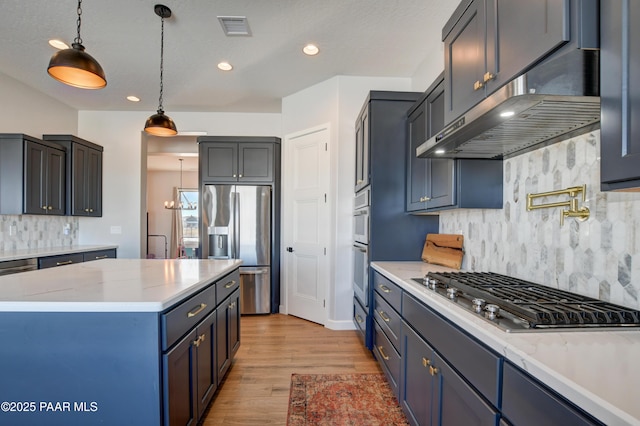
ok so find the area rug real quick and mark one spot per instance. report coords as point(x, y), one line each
point(342, 399)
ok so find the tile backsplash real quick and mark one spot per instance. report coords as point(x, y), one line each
point(19, 232)
point(599, 257)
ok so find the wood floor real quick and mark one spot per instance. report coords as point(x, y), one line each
point(256, 389)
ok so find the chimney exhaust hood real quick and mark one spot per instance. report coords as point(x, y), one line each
point(555, 100)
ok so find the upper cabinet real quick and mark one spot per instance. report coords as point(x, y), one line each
point(620, 97)
point(32, 176)
point(436, 184)
point(238, 159)
point(489, 42)
point(84, 175)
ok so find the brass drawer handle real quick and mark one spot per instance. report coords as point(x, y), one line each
point(197, 310)
point(384, 288)
point(478, 85)
point(488, 76)
point(68, 262)
point(232, 305)
point(199, 340)
point(101, 257)
point(230, 284)
point(384, 316)
point(359, 319)
point(426, 362)
point(384, 356)
point(433, 370)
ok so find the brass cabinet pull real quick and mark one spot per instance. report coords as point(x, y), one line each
point(359, 319)
point(488, 76)
point(384, 316)
point(230, 284)
point(197, 310)
point(384, 356)
point(50, 207)
point(433, 370)
point(424, 199)
point(232, 305)
point(199, 340)
point(102, 257)
point(68, 262)
point(384, 288)
point(478, 85)
point(426, 362)
point(44, 207)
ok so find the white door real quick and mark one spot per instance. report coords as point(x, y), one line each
point(305, 223)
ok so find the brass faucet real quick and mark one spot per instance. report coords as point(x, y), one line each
point(581, 213)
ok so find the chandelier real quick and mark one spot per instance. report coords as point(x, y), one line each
point(180, 205)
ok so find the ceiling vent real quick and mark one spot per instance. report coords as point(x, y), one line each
point(235, 25)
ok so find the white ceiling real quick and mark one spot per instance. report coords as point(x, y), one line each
point(356, 37)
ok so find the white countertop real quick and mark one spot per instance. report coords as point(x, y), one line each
point(110, 285)
point(598, 371)
point(50, 251)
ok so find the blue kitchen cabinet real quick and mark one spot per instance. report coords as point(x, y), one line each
point(228, 332)
point(620, 95)
point(527, 402)
point(433, 393)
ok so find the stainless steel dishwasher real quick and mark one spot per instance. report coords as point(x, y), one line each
point(14, 266)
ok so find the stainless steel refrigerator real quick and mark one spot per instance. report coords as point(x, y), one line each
point(236, 224)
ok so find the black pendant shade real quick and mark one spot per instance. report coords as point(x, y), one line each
point(160, 124)
point(76, 67)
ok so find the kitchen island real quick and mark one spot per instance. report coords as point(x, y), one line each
point(595, 370)
point(100, 342)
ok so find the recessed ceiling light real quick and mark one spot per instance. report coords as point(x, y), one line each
point(310, 49)
point(507, 114)
point(58, 44)
point(225, 66)
point(440, 151)
point(133, 98)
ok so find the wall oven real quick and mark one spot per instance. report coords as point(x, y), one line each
point(361, 246)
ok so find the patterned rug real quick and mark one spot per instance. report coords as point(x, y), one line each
point(342, 399)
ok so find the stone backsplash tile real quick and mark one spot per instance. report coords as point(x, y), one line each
point(599, 257)
point(19, 232)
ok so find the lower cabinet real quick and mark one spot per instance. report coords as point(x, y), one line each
point(228, 332)
point(194, 367)
point(433, 393)
point(70, 258)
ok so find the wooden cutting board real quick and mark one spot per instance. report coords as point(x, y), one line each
point(444, 249)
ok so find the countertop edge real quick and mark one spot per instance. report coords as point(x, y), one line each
point(51, 251)
point(498, 341)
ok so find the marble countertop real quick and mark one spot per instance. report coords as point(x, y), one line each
point(596, 370)
point(110, 285)
point(50, 251)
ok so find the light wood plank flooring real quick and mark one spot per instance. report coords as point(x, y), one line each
point(256, 389)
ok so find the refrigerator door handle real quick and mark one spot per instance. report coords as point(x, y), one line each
point(236, 234)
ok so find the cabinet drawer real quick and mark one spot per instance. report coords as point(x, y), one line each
point(186, 315)
point(225, 286)
point(388, 319)
point(388, 290)
point(479, 365)
point(389, 359)
point(359, 317)
point(99, 254)
point(63, 259)
point(527, 402)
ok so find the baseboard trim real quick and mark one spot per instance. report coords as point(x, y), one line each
point(340, 325)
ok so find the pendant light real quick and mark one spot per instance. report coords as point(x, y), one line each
point(187, 205)
point(76, 67)
point(160, 124)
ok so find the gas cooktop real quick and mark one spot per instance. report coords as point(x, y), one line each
point(516, 305)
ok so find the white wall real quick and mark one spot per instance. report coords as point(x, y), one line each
point(124, 186)
point(337, 101)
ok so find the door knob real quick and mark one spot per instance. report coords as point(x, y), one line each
point(290, 249)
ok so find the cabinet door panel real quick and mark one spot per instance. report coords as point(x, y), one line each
point(255, 162)
point(417, 184)
point(234, 323)
point(441, 176)
point(78, 180)
point(465, 61)
point(459, 403)
point(416, 393)
point(527, 30)
point(222, 163)
point(93, 191)
point(620, 97)
point(179, 374)
point(206, 383)
point(55, 182)
point(35, 201)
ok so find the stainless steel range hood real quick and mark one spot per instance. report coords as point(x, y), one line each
point(555, 100)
